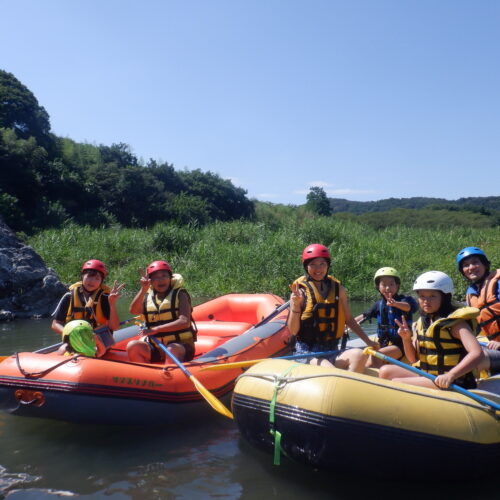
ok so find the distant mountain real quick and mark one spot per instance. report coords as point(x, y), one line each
point(477, 204)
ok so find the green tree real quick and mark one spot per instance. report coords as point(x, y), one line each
point(19, 110)
point(317, 201)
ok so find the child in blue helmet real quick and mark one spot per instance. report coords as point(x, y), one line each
point(484, 293)
point(392, 306)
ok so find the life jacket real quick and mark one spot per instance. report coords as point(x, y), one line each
point(155, 313)
point(323, 319)
point(439, 351)
point(93, 313)
point(387, 329)
point(489, 306)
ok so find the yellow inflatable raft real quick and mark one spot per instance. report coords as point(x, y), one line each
point(332, 418)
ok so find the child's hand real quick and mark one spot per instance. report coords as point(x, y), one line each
point(115, 292)
point(296, 297)
point(403, 330)
point(389, 299)
point(145, 281)
point(444, 381)
point(493, 344)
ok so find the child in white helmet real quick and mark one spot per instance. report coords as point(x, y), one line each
point(443, 342)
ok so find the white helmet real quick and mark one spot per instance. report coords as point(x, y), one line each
point(434, 280)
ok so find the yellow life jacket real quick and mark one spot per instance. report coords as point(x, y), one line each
point(159, 313)
point(439, 351)
point(489, 306)
point(93, 313)
point(323, 319)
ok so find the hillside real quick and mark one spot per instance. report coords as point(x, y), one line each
point(475, 204)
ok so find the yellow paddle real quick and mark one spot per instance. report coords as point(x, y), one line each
point(250, 362)
point(210, 398)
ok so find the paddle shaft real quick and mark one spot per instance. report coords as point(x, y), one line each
point(209, 397)
point(429, 376)
point(250, 362)
point(269, 317)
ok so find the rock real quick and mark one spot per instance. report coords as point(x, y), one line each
point(28, 289)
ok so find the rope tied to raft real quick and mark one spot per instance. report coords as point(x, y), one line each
point(44, 372)
point(280, 381)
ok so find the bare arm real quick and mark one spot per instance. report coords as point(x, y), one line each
point(114, 294)
point(351, 322)
point(472, 359)
point(57, 326)
point(296, 303)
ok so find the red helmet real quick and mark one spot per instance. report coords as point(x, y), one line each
point(158, 265)
point(95, 265)
point(315, 250)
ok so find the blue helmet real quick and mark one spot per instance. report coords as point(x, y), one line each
point(467, 252)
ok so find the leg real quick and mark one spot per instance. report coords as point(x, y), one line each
point(352, 360)
point(398, 374)
point(391, 350)
point(177, 350)
point(138, 351)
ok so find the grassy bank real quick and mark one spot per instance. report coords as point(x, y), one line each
point(258, 257)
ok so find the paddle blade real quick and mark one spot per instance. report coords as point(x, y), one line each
point(211, 399)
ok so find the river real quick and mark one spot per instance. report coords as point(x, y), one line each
point(42, 459)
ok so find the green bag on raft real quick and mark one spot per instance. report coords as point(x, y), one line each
point(81, 338)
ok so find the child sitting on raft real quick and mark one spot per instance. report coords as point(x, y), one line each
point(165, 307)
point(93, 302)
point(443, 342)
point(391, 307)
point(484, 293)
point(319, 312)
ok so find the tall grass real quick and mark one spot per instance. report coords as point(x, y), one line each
point(249, 257)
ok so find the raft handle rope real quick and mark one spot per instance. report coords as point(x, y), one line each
point(44, 372)
point(280, 381)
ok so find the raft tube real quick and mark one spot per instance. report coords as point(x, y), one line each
point(334, 419)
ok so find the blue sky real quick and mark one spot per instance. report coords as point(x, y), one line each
point(369, 99)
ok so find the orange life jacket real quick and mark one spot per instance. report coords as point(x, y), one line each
point(489, 306)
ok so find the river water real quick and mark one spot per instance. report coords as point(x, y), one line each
point(42, 459)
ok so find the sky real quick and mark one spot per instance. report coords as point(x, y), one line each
point(367, 99)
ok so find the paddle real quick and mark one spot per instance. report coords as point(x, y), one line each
point(250, 362)
point(269, 317)
point(210, 398)
point(457, 388)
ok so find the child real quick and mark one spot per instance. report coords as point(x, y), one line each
point(390, 307)
point(443, 342)
point(319, 312)
point(165, 306)
point(483, 293)
point(92, 301)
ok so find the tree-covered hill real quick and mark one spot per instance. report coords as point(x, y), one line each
point(46, 181)
point(477, 204)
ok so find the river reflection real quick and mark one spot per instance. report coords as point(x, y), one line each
point(42, 459)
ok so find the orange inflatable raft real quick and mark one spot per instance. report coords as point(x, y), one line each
point(111, 389)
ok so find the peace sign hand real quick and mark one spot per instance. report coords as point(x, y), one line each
point(403, 331)
point(115, 292)
point(145, 281)
point(296, 297)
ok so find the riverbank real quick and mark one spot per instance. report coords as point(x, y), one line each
point(250, 257)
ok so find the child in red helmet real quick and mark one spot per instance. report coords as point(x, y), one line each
point(165, 307)
point(92, 301)
point(320, 311)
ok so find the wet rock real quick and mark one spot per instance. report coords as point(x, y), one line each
point(28, 289)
